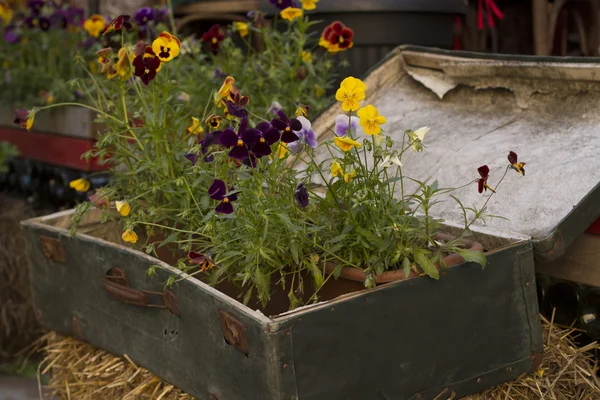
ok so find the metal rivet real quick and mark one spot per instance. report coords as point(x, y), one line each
point(478, 380)
point(285, 366)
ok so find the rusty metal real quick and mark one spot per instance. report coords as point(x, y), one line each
point(536, 360)
point(171, 302)
point(116, 284)
point(234, 332)
point(52, 249)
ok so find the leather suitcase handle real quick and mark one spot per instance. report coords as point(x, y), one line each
point(117, 285)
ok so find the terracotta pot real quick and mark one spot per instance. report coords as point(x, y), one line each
point(357, 275)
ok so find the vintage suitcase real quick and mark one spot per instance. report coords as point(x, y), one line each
point(415, 339)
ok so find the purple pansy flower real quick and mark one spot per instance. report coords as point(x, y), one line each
point(35, 6)
point(218, 191)
point(162, 14)
point(10, 36)
point(235, 110)
point(144, 15)
point(305, 136)
point(274, 108)
point(268, 136)
point(44, 23)
point(218, 74)
point(76, 15)
point(60, 18)
point(283, 4)
point(210, 139)
point(192, 157)
point(301, 195)
point(32, 21)
point(241, 142)
point(341, 124)
point(286, 127)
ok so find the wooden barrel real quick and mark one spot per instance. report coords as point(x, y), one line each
point(381, 25)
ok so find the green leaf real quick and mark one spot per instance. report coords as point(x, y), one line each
point(473, 256)
point(204, 202)
point(317, 275)
point(425, 263)
point(248, 296)
point(406, 266)
point(370, 236)
point(171, 238)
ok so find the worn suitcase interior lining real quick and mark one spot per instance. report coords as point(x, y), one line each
point(551, 121)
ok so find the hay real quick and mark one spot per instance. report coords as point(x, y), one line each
point(18, 325)
point(80, 371)
point(567, 372)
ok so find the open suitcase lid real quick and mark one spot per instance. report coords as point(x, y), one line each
point(479, 107)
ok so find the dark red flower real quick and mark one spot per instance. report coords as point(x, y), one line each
point(513, 159)
point(146, 65)
point(200, 259)
point(21, 117)
point(122, 21)
point(268, 136)
point(214, 37)
point(218, 191)
point(339, 34)
point(240, 142)
point(287, 127)
point(484, 172)
point(301, 195)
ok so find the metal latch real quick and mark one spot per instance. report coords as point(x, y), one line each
point(52, 249)
point(234, 332)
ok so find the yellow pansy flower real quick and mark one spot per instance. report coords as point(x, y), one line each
point(94, 25)
point(336, 169)
point(324, 42)
point(124, 66)
point(306, 56)
point(302, 110)
point(242, 28)
point(80, 185)
point(195, 128)
point(225, 90)
point(350, 93)
point(370, 120)
point(214, 121)
point(129, 236)
point(349, 176)
point(123, 207)
point(309, 4)
point(281, 151)
point(6, 13)
point(291, 13)
point(29, 121)
point(166, 47)
point(346, 143)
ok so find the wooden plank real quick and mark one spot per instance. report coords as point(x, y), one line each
point(581, 262)
point(52, 149)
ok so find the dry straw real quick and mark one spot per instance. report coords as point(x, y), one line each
point(80, 371)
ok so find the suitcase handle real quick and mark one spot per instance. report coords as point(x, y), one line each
point(117, 285)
